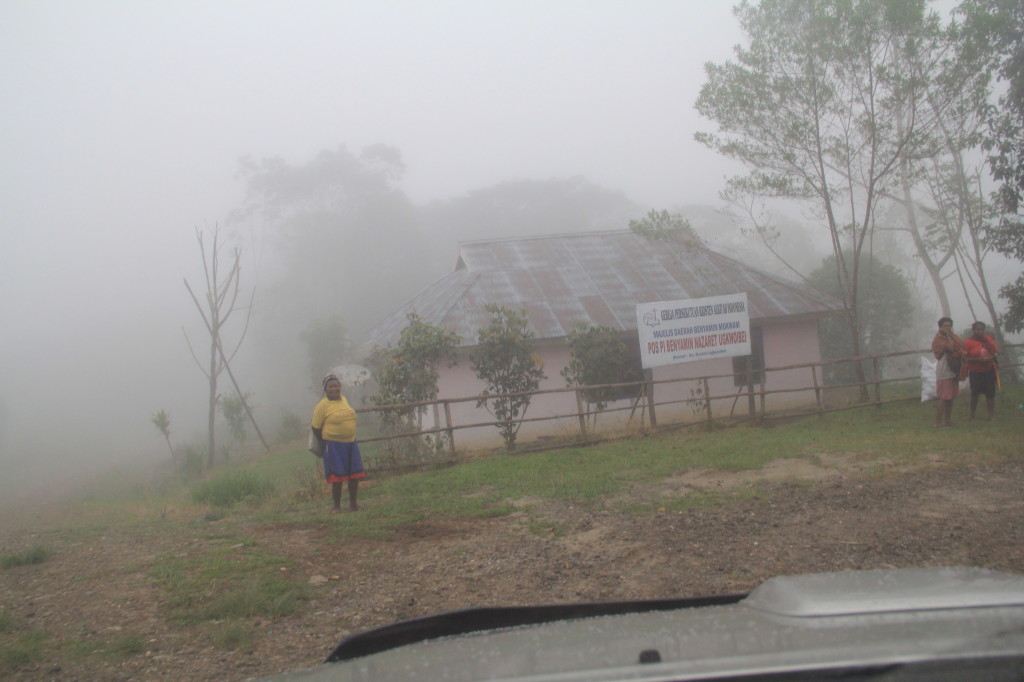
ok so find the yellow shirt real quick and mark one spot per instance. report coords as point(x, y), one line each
point(336, 419)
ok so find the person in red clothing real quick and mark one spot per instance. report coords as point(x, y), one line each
point(982, 365)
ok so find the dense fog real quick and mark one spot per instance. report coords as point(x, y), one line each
point(127, 127)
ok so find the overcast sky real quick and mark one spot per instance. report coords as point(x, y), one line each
point(123, 122)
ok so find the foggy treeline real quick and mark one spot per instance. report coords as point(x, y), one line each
point(120, 148)
point(340, 246)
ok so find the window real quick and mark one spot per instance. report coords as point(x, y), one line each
point(739, 364)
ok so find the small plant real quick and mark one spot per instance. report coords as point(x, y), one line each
point(696, 403)
point(194, 462)
point(233, 409)
point(35, 555)
point(506, 363)
point(232, 487)
point(162, 421)
point(311, 485)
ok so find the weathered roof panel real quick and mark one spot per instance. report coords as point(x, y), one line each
point(593, 278)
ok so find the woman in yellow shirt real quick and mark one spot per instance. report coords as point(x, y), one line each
point(334, 423)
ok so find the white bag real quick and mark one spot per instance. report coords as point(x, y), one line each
point(315, 445)
point(928, 380)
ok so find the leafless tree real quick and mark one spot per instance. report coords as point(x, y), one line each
point(221, 302)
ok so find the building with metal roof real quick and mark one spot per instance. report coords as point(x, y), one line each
point(591, 278)
point(599, 279)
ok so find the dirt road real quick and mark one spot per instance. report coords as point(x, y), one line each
point(807, 519)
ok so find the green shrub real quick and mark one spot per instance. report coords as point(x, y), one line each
point(232, 487)
point(36, 555)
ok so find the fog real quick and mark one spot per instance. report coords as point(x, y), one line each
point(124, 124)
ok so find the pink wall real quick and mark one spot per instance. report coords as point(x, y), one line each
point(786, 343)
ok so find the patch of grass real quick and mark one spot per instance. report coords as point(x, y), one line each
point(229, 582)
point(232, 635)
point(27, 648)
point(36, 555)
point(232, 487)
point(7, 621)
point(283, 487)
point(546, 528)
point(115, 649)
point(706, 499)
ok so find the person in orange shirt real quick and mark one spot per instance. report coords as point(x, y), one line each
point(982, 366)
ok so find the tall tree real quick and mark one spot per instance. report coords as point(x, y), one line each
point(219, 304)
point(342, 242)
point(662, 226)
point(811, 108)
point(885, 304)
point(943, 195)
point(993, 29)
point(344, 235)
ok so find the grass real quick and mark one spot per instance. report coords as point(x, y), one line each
point(23, 648)
point(234, 486)
point(227, 582)
point(36, 555)
point(285, 487)
point(115, 649)
point(232, 635)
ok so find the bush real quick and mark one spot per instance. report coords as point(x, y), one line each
point(233, 487)
point(36, 555)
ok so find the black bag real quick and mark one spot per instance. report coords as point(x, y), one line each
point(953, 362)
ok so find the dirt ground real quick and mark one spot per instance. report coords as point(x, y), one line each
point(836, 516)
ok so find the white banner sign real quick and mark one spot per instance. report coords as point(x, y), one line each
point(698, 329)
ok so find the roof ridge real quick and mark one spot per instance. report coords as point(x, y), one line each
point(537, 237)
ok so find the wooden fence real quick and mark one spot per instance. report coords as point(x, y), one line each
point(869, 392)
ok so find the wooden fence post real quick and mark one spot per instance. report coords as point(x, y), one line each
point(751, 409)
point(764, 388)
point(817, 389)
point(878, 382)
point(649, 390)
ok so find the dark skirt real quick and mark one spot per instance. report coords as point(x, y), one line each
point(342, 461)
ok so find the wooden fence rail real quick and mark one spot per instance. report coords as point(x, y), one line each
point(647, 405)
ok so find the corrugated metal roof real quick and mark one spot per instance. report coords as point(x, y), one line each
point(591, 278)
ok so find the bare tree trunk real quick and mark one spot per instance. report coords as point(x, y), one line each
point(212, 403)
point(221, 302)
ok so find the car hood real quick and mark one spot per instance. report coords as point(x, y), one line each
point(874, 621)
